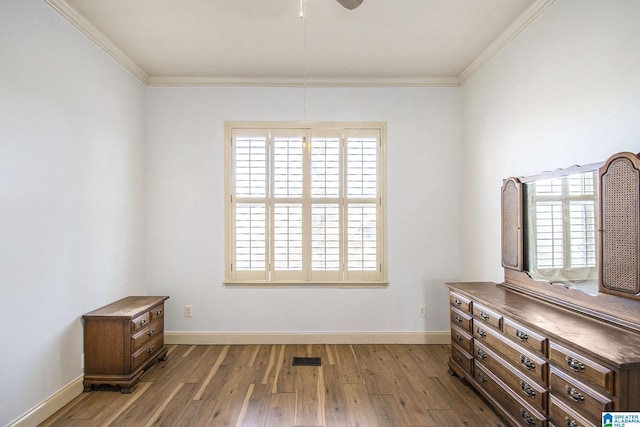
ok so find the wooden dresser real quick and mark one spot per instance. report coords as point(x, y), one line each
point(539, 363)
point(121, 341)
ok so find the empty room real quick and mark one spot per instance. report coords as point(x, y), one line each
point(320, 212)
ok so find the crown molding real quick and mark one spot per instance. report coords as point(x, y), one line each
point(507, 36)
point(517, 27)
point(88, 29)
point(301, 82)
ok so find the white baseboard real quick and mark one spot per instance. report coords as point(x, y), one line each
point(51, 405)
point(211, 338)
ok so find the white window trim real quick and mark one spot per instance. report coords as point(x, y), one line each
point(266, 279)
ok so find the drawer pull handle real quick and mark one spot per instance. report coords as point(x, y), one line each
point(458, 302)
point(521, 335)
point(458, 318)
point(459, 337)
point(570, 423)
point(481, 354)
point(573, 394)
point(458, 357)
point(484, 316)
point(150, 349)
point(151, 332)
point(526, 389)
point(142, 322)
point(528, 419)
point(481, 377)
point(527, 363)
point(159, 313)
point(482, 333)
point(574, 364)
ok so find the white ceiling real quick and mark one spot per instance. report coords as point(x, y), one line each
point(264, 42)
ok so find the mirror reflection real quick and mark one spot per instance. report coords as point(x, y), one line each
point(560, 230)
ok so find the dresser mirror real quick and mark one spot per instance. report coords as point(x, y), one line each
point(559, 227)
point(572, 236)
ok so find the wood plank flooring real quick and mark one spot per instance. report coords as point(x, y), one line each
point(256, 385)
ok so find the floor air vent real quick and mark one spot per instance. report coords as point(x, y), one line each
point(307, 361)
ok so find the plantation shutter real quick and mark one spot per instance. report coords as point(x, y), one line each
point(287, 203)
point(327, 218)
point(305, 205)
point(363, 205)
point(564, 212)
point(249, 205)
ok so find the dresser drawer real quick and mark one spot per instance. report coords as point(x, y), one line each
point(462, 338)
point(581, 367)
point(525, 336)
point(488, 316)
point(460, 302)
point(523, 386)
point(578, 396)
point(141, 337)
point(140, 322)
point(561, 415)
point(532, 365)
point(462, 358)
point(146, 352)
point(460, 319)
point(525, 415)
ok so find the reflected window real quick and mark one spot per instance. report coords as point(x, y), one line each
point(561, 230)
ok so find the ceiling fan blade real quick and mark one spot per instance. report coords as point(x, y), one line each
point(350, 4)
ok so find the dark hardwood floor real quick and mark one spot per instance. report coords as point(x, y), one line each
point(256, 385)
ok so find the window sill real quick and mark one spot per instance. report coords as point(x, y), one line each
point(340, 285)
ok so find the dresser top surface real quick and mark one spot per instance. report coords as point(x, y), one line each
point(126, 308)
point(601, 340)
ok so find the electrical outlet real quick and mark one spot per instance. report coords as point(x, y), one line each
point(188, 311)
point(422, 311)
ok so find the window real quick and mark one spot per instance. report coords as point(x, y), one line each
point(305, 203)
point(562, 223)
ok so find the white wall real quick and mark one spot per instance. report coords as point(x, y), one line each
point(71, 197)
point(566, 91)
point(186, 209)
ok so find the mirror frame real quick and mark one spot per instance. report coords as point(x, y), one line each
point(609, 305)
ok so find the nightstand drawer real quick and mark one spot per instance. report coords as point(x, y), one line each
point(146, 352)
point(139, 322)
point(142, 337)
point(156, 313)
